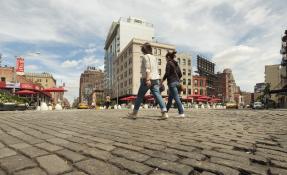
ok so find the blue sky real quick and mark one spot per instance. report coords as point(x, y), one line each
point(239, 34)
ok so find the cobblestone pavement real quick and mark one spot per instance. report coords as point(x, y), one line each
point(105, 142)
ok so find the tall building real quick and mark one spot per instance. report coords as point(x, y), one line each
point(273, 77)
point(92, 79)
point(199, 85)
point(119, 35)
point(206, 68)
point(127, 66)
point(185, 63)
point(226, 86)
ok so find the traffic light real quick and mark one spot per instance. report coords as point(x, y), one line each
point(283, 50)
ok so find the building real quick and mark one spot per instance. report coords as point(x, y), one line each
point(44, 79)
point(199, 85)
point(119, 35)
point(226, 87)
point(92, 79)
point(185, 63)
point(127, 66)
point(247, 98)
point(273, 77)
point(206, 68)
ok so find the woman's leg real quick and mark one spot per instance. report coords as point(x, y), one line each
point(142, 91)
point(174, 92)
point(170, 98)
point(156, 93)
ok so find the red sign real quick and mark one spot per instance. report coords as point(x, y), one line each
point(20, 66)
point(27, 86)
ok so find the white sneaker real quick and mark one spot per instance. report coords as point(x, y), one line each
point(164, 115)
point(132, 115)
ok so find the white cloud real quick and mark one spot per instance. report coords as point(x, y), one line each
point(70, 64)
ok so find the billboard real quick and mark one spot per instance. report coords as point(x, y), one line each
point(20, 66)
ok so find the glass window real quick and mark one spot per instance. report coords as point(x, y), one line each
point(154, 51)
point(189, 62)
point(195, 82)
point(184, 71)
point(159, 71)
point(189, 72)
point(184, 62)
point(189, 81)
point(184, 81)
point(201, 83)
point(178, 60)
point(126, 74)
point(159, 51)
point(201, 92)
point(159, 61)
point(189, 91)
point(196, 91)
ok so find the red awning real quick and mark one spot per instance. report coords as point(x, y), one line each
point(201, 100)
point(25, 92)
point(203, 97)
point(194, 96)
point(60, 89)
point(129, 98)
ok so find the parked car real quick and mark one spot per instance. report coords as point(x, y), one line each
point(83, 106)
point(231, 105)
point(258, 105)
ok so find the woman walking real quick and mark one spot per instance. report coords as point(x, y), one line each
point(150, 80)
point(173, 75)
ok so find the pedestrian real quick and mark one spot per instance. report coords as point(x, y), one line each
point(150, 80)
point(107, 102)
point(173, 76)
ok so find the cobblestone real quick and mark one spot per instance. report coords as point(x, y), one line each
point(80, 142)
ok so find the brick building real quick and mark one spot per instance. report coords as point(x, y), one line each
point(199, 85)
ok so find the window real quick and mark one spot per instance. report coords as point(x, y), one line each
point(130, 60)
point(126, 83)
point(184, 71)
point(189, 91)
point(130, 81)
point(159, 51)
point(196, 91)
point(201, 91)
point(126, 74)
point(126, 64)
point(130, 71)
point(189, 62)
point(159, 71)
point(184, 62)
point(201, 83)
point(121, 67)
point(189, 81)
point(154, 51)
point(159, 61)
point(189, 72)
point(184, 81)
point(178, 60)
point(195, 83)
point(3, 79)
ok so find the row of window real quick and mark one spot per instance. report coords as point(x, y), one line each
point(200, 92)
point(183, 61)
point(200, 83)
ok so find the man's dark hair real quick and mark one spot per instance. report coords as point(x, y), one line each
point(170, 55)
point(146, 48)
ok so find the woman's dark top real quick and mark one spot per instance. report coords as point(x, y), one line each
point(172, 72)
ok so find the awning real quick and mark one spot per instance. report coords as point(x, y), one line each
point(25, 92)
point(60, 89)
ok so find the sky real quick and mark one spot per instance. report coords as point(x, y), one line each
point(242, 35)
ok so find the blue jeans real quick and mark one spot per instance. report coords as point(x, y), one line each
point(173, 94)
point(155, 91)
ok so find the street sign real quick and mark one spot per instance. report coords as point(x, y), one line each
point(20, 66)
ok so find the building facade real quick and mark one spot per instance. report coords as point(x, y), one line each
point(199, 85)
point(247, 98)
point(92, 79)
point(44, 79)
point(184, 61)
point(119, 35)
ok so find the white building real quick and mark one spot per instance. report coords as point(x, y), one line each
point(120, 34)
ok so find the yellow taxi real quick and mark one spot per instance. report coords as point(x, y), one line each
point(83, 106)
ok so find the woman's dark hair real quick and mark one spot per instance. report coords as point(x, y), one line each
point(170, 55)
point(146, 48)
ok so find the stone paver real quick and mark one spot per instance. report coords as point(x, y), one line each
point(53, 164)
point(80, 142)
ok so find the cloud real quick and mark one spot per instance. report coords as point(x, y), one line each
point(70, 64)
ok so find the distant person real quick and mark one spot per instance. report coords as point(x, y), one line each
point(149, 81)
point(107, 102)
point(173, 75)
